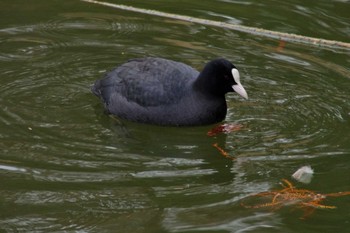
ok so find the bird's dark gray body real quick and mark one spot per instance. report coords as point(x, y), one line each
point(164, 92)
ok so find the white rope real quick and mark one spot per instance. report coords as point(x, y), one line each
point(251, 30)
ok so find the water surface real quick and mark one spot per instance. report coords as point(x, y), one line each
point(67, 166)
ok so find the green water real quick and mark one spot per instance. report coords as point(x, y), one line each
point(65, 166)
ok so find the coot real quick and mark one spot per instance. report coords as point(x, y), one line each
point(164, 92)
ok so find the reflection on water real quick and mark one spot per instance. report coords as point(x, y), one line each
point(67, 166)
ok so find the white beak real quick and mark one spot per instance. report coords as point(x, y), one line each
point(239, 89)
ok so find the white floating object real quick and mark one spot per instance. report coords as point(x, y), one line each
point(304, 174)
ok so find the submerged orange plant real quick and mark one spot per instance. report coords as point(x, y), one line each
point(224, 128)
point(289, 195)
point(222, 151)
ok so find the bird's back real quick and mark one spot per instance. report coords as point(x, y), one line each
point(147, 82)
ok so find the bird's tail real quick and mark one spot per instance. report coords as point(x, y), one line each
point(95, 88)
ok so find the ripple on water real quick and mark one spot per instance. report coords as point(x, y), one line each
point(45, 94)
point(66, 32)
point(297, 112)
point(72, 210)
point(58, 52)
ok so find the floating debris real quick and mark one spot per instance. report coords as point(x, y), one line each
point(304, 174)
